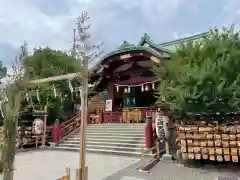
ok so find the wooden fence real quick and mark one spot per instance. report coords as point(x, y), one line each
point(67, 175)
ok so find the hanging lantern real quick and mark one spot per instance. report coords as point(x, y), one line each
point(129, 89)
point(117, 88)
point(153, 85)
point(142, 88)
point(70, 86)
point(37, 92)
point(126, 90)
point(146, 88)
point(54, 92)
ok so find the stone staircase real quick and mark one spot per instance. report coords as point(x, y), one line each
point(96, 102)
point(120, 139)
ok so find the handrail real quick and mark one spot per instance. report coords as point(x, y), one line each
point(66, 122)
point(70, 126)
point(65, 127)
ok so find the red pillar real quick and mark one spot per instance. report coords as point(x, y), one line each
point(56, 132)
point(148, 132)
point(111, 94)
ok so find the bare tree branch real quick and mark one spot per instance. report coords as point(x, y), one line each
point(84, 46)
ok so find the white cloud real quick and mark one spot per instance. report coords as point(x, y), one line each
point(50, 23)
point(28, 23)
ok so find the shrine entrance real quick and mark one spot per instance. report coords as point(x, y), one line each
point(136, 98)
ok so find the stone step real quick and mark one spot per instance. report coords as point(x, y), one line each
point(110, 126)
point(141, 140)
point(111, 133)
point(120, 139)
point(96, 143)
point(108, 140)
point(122, 148)
point(116, 130)
point(118, 124)
point(116, 136)
point(105, 151)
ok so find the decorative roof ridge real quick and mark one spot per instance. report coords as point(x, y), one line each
point(147, 38)
point(125, 45)
point(181, 40)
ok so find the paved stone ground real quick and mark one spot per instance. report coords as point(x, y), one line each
point(49, 165)
point(172, 171)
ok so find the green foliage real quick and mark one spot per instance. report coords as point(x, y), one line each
point(203, 77)
point(43, 63)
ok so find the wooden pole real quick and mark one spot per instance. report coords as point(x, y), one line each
point(77, 174)
point(56, 78)
point(82, 162)
point(68, 173)
point(142, 160)
point(44, 126)
point(81, 135)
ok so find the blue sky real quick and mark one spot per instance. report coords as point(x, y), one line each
point(50, 22)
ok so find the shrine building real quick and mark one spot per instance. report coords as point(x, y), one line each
point(124, 82)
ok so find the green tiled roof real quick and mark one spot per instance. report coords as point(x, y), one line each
point(125, 45)
point(172, 45)
point(146, 38)
point(155, 49)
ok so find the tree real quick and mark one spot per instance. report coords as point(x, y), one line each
point(83, 47)
point(203, 77)
point(46, 62)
